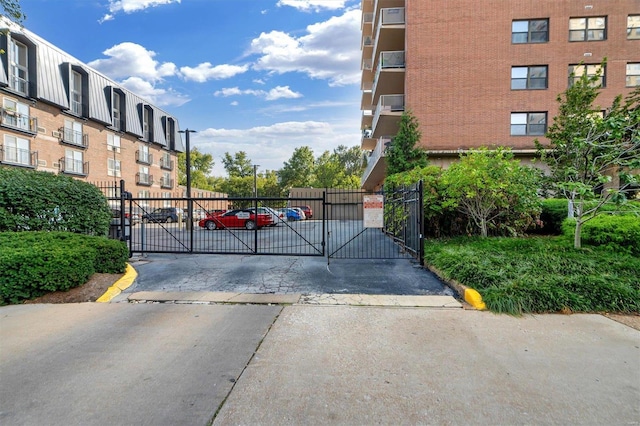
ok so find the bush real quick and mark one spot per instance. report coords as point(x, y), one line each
point(617, 233)
point(540, 274)
point(554, 212)
point(34, 263)
point(40, 201)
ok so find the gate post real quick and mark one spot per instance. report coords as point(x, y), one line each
point(421, 224)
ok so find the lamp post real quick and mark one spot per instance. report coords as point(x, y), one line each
point(188, 173)
point(255, 180)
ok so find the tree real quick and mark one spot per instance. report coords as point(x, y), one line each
point(586, 151)
point(201, 165)
point(239, 165)
point(350, 159)
point(403, 154)
point(12, 10)
point(298, 171)
point(493, 190)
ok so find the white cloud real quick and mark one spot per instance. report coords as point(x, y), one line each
point(132, 60)
point(315, 5)
point(278, 92)
point(130, 6)
point(206, 71)
point(271, 145)
point(330, 50)
point(157, 96)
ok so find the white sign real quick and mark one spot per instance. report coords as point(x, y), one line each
point(373, 211)
point(243, 215)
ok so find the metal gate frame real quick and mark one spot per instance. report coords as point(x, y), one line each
point(341, 221)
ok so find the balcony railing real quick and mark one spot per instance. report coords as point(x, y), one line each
point(15, 120)
point(144, 179)
point(388, 60)
point(388, 103)
point(367, 18)
point(166, 163)
point(166, 183)
point(380, 151)
point(76, 108)
point(144, 157)
point(392, 16)
point(20, 85)
point(71, 166)
point(73, 137)
point(18, 156)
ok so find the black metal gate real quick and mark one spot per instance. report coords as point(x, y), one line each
point(394, 234)
point(339, 228)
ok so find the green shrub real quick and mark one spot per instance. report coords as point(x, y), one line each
point(554, 212)
point(40, 201)
point(34, 263)
point(540, 274)
point(617, 233)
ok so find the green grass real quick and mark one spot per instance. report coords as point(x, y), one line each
point(540, 274)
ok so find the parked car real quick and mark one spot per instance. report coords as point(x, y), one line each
point(133, 218)
point(300, 212)
point(308, 212)
point(276, 216)
point(164, 214)
point(292, 214)
point(238, 218)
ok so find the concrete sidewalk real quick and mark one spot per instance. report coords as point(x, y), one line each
point(370, 365)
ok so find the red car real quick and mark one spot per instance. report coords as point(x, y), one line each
point(239, 218)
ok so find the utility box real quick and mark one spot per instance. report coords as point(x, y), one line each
point(115, 230)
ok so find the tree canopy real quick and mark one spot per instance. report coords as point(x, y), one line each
point(402, 154)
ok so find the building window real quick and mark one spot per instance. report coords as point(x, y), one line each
point(143, 177)
point(147, 124)
point(165, 161)
point(144, 194)
point(113, 142)
point(588, 29)
point(633, 27)
point(534, 77)
point(16, 115)
point(528, 123)
point(531, 31)
point(19, 68)
point(113, 167)
point(75, 93)
point(170, 128)
point(16, 151)
point(72, 133)
point(577, 71)
point(633, 74)
point(116, 108)
point(166, 180)
point(143, 156)
point(73, 162)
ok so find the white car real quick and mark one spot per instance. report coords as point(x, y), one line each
point(276, 216)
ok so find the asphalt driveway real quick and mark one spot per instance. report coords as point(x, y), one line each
point(283, 275)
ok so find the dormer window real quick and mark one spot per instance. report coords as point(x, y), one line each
point(169, 131)
point(75, 93)
point(117, 109)
point(19, 67)
point(147, 123)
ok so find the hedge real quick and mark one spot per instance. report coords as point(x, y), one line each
point(617, 233)
point(35, 263)
point(40, 201)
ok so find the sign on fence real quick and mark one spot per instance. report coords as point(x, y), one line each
point(373, 211)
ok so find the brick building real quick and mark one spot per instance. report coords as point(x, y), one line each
point(485, 72)
point(60, 115)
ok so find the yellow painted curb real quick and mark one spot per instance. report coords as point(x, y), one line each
point(473, 298)
point(123, 283)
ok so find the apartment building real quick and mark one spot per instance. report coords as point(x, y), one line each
point(61, 116)
point(485, 72)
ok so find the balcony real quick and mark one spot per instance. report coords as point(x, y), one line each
point(72, 166)
point(73, 137)
point(389, 33)
point(144, 157)
point(18, 157)
point(387, 115)
point(166, 163)
point(367, 119)
point(374, 174)
point(16, 121)
point(166, 183)
point(144, 179)
point(367, 143)
point(389, 76)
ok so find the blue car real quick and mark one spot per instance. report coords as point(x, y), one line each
point(291, 214)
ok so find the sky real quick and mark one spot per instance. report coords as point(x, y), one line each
point(259, 76)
